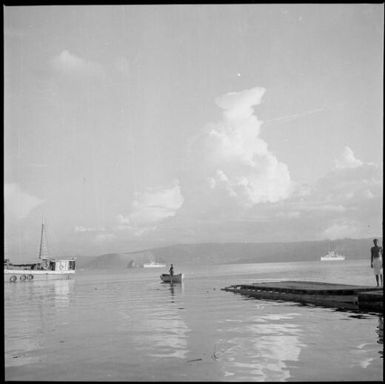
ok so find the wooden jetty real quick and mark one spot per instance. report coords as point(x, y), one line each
point(309, 292)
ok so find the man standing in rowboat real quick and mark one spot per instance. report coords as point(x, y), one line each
point(171, 270)
point(376, 261)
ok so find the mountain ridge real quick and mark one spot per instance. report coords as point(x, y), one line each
point(230, 253)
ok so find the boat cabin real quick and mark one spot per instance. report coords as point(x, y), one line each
point(57, 265)
point(62, 265)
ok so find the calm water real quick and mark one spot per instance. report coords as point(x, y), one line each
point(129, 326)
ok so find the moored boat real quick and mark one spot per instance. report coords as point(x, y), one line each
point(43, 269)
point(166, 278)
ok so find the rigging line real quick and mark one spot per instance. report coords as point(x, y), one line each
point(295, 115)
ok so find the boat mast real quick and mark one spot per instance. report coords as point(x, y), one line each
point(41, 238)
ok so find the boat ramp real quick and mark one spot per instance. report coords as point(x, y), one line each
point(340, 296)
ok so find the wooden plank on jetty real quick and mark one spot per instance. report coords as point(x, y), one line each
point(326, 294)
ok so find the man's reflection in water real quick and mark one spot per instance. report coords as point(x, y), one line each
point(175, 288)
point(172, 292)
point(380, 333)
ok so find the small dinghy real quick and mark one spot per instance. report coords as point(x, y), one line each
point(166, 278)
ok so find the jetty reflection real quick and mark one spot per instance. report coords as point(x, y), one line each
point(380, 333)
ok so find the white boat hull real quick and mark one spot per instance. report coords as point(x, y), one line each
point(154, 265)
point(16, 275)
point(333, 256)
point(166, 278)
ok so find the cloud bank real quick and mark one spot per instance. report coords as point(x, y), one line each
point(234, 188)
point(152, 207)
point(346, 202)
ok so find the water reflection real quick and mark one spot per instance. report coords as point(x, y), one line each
point(29, 313)
point(364, 356)
point(62, 292)
point(380, 333)
point(178, 288)
point(133, 327)
point(21, 352)
point(163, 329)
point(271, 342)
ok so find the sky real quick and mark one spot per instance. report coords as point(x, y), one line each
point(133, 126)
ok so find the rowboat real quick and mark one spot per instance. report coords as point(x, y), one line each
point(166, 278)
point(46, 268)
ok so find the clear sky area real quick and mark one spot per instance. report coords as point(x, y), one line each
point(135, 126)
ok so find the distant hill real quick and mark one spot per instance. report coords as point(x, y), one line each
point(118, 260)
point(231, 253)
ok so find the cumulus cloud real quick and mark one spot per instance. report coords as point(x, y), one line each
point(152, 207)
point(70, 64)
point(239, 105)
point(231, 159)
point(347, 160)
point(18, 204)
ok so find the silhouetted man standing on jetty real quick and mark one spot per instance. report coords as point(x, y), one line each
point(376, 261)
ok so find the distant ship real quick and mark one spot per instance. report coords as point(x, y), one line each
point(333, 256)
point(153, 264)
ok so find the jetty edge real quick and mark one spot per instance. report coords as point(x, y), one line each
point(342, 296)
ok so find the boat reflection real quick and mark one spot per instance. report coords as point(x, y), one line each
point(29, 311)
point(62, 292)
point(178, 288)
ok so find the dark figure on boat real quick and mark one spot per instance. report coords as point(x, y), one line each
point(376, 261)
point(171, 270)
